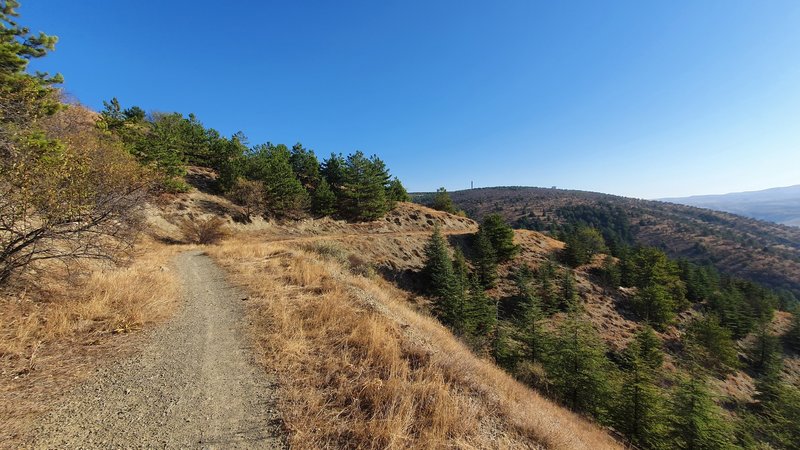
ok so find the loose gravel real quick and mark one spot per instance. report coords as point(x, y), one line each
point(195, 384)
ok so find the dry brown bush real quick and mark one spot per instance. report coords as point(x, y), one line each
point(209, 230)
point(75, 195)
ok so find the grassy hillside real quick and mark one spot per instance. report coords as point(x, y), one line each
point(756, 250)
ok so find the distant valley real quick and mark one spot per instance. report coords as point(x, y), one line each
point(779, 205)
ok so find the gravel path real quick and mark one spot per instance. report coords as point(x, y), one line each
point(194, 385)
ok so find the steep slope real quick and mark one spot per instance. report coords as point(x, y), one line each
point(760, 251)
point(779, 205)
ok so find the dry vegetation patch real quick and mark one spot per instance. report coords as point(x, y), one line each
point(56, 335)
point(359, 368)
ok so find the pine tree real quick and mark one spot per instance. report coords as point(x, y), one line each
point(485, 260)
point(480, 311)
point(305, 166)
point(639, 411)
point(765, 350)
point(283, 194)
point(323, 200)
point(396, 192)
point(501, 237)
point(792, 337)
point(578, 367)
point(546, 289)
point(443, 202)
point(654, 305)
point(333, 171)
point(230, 161)
point(711, 344)
point(441, 280)
point(532, 317)
point(694, 421)
point(363, 191)
point(610, 273)
point(649, 346)
point(569, 293)
point(461, 291)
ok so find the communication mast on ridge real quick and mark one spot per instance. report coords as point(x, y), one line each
point(471, 185)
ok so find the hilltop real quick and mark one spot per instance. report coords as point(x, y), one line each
point(780, 205)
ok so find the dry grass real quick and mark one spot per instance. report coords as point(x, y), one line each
point(56, 335)
point(358, 368)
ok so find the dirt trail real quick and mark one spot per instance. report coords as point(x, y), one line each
point(194, 385)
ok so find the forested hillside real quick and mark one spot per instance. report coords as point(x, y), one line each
point(670, 353)
point(751, 249)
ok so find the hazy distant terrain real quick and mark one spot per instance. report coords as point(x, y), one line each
point(779, 205)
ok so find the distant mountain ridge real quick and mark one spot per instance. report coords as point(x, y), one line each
point(779, 205)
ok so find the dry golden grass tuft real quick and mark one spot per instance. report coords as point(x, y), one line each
point(358, 368)
point(56, 335)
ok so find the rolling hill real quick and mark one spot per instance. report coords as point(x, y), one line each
point(780, 205)
point(757, 250)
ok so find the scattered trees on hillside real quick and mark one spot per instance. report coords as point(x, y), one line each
point(581, 245)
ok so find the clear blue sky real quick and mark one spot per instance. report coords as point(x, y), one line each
point(639, 98)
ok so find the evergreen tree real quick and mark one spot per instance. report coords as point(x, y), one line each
point(695, 422)
point(396, 192)
point(323, 200)
point(654, 305)
point(639, 412)
point(462, 286)
point(283, 193)
point(765, 350)
point(532, 317)
point(333, 171)
point(440, 279)
point(610, 273)
point(501, 237)
point(649, 346)
point(230, 161)
point(443, 202)
point(711, 344)
point(582, 245)
point(546, 288)
point(578, 367)
point(485, 260)
point(305, 166)
point(363, 192)
point(792, 337)
point(569, 292)
point(480, 310)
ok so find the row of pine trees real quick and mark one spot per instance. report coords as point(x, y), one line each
point(266, 179)
point(542, 334)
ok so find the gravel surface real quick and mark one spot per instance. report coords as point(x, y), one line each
point(195, 384)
